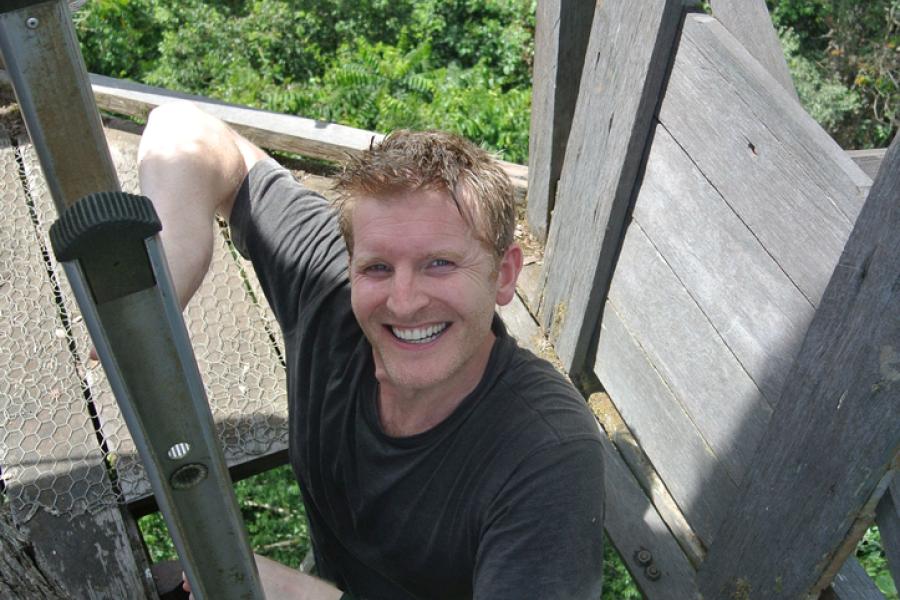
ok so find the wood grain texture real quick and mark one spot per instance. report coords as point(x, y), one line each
point(753, 306)
point(626, 61)
point(812, 477)
point(868, 160)
point(852, 583)
point(709, 383)
point(647, 476)
point(887, 517)
point(634, 525)
point(750, 23)
point(562, 29)
point(697, 479)
point(796, 190)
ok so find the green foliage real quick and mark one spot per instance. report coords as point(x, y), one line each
point(871, 555)
point(849, 44)
point(617, 583)
point(460, 65)
point(826, 99)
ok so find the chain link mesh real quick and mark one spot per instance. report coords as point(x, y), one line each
point(49, 389)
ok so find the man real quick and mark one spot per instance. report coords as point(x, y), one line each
point(436, 458)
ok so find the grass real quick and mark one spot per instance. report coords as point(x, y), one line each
point(276, 522)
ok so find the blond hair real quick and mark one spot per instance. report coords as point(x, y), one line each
point(406, 161)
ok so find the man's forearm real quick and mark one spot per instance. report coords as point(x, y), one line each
point(284, 583)
point(190, 166)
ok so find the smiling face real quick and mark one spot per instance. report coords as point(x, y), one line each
point(423, 289)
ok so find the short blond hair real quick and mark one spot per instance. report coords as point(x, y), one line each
point(406, 161)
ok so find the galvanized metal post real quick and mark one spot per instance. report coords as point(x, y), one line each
point(108, 245)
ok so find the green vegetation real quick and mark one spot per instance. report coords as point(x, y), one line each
point(459, 65)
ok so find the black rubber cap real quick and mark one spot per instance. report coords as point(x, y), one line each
point(102, 218)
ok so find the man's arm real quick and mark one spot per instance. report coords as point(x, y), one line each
point(284, 583)
point(191, 166)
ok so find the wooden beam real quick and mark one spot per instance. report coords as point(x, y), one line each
point(825, 459)
point(273, 131)
point(561, 35)
point(868, 160)
point(628, 55)
point(750, 23)
point(887, 517)
point(852, 583)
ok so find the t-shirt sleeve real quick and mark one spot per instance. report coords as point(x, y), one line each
point(290, 234)
point(544, 538)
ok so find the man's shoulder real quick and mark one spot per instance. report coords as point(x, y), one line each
point(541, 404)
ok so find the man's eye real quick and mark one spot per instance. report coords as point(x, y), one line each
point(376, 268)
point(440, 262)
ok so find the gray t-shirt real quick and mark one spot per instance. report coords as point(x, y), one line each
point(503, 499)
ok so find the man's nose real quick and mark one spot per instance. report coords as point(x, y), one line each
point(406, 296)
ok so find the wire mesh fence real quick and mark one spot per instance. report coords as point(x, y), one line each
point(64, 447)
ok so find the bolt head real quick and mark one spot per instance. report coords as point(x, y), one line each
point(652, 572)
point(643, 556)
point(32, 22)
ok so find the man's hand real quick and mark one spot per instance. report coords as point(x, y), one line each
point(284, 583)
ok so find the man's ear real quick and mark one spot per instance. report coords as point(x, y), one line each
point(508, 273)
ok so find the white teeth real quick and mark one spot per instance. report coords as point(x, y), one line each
point(419, 335)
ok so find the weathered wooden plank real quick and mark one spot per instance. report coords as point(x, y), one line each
point(796, 190)
point(812, 478)
point(562, 29)
point(55, 475)
point(634, 525)
point(887, 517)
point(717, 394)
point(852, 583)
point(627, 57)
point(750, 23)
point(755, 308)
point(697, 479)
point(316, 139)
point(868, 160)
point(647, 477)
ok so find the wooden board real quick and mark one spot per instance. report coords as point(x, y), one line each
point(59, 492)
point(626, 61)
point(634, 525)
point(697, 479)
point(887, 517)
point(713, 389)
point(750, 23)
point(754, 307)
point(562, 29)
point(804, 501)
point(794, 188)
point(868, 160)
point(852, 583)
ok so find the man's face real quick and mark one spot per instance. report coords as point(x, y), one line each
point(423, 289)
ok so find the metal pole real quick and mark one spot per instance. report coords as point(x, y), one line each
point(108, 245)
